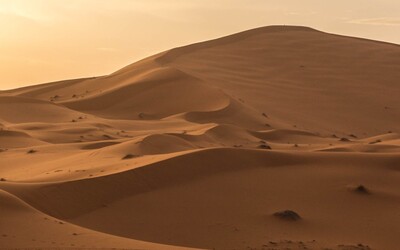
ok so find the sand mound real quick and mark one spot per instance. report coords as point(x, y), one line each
point(16, 139)
point(23, 110)
point(149, 97)
point(285, 73)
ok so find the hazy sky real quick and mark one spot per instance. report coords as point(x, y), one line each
point(47, 40)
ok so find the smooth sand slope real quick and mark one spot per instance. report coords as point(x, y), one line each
point(275, 138)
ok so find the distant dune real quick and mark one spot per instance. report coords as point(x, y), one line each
point(280, 137)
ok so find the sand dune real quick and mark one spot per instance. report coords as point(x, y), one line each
point(27, 227)
point(275, 138)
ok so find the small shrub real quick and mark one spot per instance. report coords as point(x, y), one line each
point(107, 136)
point(129, 156)
point(287, 215)
point(361, 190)
point(374, 142)
point(264, 146)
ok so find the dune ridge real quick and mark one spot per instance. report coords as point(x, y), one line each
point(215, 145)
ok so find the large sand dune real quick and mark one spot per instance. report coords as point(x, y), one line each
point(275, 138)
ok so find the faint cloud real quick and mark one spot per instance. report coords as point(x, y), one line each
point(107, 49)
point(304, 13)
point(387, 21)
point(30, 10)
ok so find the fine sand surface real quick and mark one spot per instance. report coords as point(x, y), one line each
point(275, 138)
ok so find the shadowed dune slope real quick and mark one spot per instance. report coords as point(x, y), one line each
point(23, 223)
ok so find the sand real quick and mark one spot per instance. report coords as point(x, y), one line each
point(280, 137)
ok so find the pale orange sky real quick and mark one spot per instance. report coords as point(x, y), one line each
point(48, 40)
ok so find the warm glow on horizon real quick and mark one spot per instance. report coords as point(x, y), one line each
point(48, 40)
